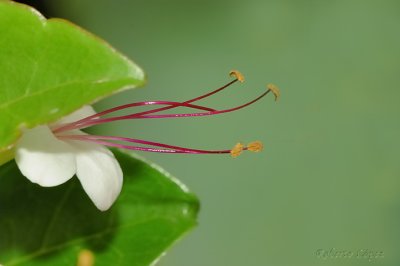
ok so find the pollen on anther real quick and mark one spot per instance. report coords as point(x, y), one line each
point(237, 150)
point(255, 146)
point(236, 74)
point(275, 90)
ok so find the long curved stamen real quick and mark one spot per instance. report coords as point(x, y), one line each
point(238, 77)
point(103, 140)
point(255, 146)
point(202, 114)
point(136, 116)
point(270, 88)
point(81, 123)
point(191, 100)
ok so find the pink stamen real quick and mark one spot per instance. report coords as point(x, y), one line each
point(189, 101)
point(79, 123)
point(137, 116)
point(168, 148)
point(82, 123)
point(202, 114)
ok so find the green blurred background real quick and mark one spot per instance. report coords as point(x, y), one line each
point(329, 177)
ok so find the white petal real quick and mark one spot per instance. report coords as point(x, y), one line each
point(99, 173)
point(79, 114)
point(44, 159)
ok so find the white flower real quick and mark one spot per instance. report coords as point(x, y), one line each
point(47, 160)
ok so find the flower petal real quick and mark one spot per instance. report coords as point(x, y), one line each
point(85, 111)
point(99, 173)
point(43, 158)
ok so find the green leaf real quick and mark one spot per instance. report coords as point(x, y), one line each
point(50, 68)
point(6, 155)
point(50, 226)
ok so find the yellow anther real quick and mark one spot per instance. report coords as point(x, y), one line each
point(237, 150)
point(275, 90)
point(85, 258)
point(255, 146)
point(236, 74)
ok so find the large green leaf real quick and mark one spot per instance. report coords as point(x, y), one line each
point(50, 68)
point(50, 226)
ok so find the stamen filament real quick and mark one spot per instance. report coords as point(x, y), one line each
point(82, 122)
point(169, 148)
point(185, 102)
point(184, 115)
point(136, 116)
point(94, 117)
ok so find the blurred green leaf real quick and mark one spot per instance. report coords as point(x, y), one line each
point(50, 68)
point(6, 155)
point(50, 226)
